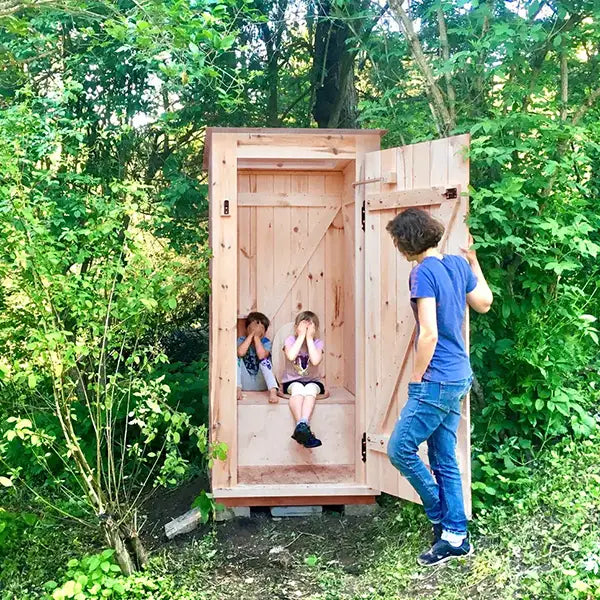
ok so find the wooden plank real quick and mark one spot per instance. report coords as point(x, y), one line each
point(297, 501)
point(278, 198)
point(406, 198)
point(333, 300)
point(245, 262)
point(265, 240)
point(289, 164)
point(294, 490)
point(373, 356)
point(223, 308)
point(277, 474)
point(363, 146)
point(300, 258)
point(343, 142)
point(349, 340)
point(337, 395)
point(298, 236)
point(281, 252)
point(309, 151)
point(315, 268)
point(264, 434)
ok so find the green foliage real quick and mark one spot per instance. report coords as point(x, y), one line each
point(207, 506)
point(97, 577)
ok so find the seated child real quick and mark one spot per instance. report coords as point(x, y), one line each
point(254, 369)
point(303, 352)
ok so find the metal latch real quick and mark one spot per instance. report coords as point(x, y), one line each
point(225, 212)
point(451, 194)
point(363, 215)
point(363, 447)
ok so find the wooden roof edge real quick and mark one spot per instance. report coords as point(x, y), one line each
point(281, 130)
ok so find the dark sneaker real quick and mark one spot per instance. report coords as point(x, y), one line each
point(437, 532)
point(442, 552)
point(302, 433)
point(312, 441)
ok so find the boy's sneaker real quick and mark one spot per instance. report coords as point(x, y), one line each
point(437, 532)
point(312, 441)
point(302, 433)
point(442, 551)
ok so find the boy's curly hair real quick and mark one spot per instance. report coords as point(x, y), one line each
point(415, 231)
point(258, 317)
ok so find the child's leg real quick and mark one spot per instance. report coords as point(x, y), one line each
point(308, 405)
point(266, 368)
point(296, 407)
point(239, 378)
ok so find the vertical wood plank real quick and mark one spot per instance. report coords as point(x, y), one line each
point(372, 311)
point(364, 145)
point(334, 306)
point(223, 306)
point(316, 269)
point(245, 297)
point(349, 262)
point(265, 240)
point(298, 234)
point(281, 251)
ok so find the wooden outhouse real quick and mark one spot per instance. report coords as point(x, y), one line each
point(297, 222)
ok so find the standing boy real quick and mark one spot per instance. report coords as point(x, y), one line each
point(440, 288)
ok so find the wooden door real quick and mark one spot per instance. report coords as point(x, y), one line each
point(433, 176)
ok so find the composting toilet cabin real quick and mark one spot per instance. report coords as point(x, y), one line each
point(297, 222)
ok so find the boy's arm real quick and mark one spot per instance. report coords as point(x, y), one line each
point(479, 298)
point(261, 351)
point(428, 337)
point(243, 347)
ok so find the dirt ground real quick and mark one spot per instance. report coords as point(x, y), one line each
point(263, 556)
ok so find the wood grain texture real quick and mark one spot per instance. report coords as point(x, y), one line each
point(223, 308)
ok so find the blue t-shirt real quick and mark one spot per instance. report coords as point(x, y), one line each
point(251, 358)
point(448, 281)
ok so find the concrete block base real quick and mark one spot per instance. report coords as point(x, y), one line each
point(296, 511)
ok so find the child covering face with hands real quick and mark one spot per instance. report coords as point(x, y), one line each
point(254, 369)
point(301, 379)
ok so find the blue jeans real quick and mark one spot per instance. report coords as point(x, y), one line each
point(432, 414)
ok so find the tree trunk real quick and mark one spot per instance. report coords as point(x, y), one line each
point(335, 101)
point(115, 541)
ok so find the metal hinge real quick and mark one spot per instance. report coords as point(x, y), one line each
point(362, 215)
point(363, 447)
point(451, 194)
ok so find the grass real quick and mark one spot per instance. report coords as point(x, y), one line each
point(543, 543)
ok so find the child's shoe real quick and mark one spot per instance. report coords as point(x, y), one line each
point(442, 551)
point(312, 441)
point(302, 433)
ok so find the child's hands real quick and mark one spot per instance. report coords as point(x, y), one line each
point(468, 252)
point(311, 330)
point(259, 334)
point(302, 328)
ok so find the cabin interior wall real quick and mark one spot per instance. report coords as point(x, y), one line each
point(296, 252)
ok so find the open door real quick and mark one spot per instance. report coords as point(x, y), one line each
point(433, 176)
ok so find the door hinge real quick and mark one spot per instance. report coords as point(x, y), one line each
point(362, 215)
point(363, 447)
point(451, 194)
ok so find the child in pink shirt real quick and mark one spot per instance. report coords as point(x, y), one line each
point(301, 379)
